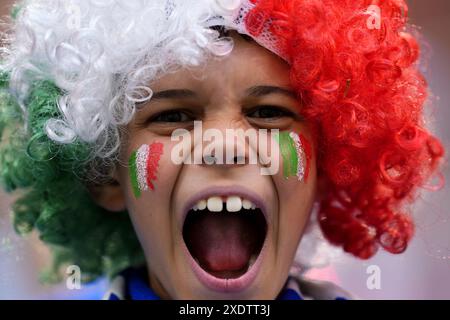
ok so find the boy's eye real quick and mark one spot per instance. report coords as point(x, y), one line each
point(171, 116)
point(269, 112)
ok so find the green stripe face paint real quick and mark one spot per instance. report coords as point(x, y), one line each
point(296, 154)
point(133, 175)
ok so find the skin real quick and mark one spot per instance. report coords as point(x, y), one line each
point(221, 102)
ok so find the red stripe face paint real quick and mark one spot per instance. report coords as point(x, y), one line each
point(307, 151)
point(144, 166)
point(154, 154)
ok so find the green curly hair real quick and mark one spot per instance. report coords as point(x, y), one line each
point(55, 199)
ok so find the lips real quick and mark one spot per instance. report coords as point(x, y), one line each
point(225, 234)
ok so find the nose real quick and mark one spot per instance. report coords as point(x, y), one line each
point(226, 143)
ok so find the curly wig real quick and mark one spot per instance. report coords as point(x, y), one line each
point(364, 94)
point(73, 72)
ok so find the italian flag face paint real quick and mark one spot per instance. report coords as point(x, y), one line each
point(143, 166)
point(296, 153)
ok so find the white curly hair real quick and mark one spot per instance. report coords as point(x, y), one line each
point(103, 53)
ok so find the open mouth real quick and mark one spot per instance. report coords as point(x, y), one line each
point(225, 235)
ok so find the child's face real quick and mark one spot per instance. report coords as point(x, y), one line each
point(225, 242)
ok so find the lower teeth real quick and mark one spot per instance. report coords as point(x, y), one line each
point(252, 261)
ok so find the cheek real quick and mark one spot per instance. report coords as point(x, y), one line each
point(295, 183)
point(151, 173)
point(150, 178)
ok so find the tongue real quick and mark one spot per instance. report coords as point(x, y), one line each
point(221, 241)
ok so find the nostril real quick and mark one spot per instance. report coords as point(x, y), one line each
point(235, 160)
point(211, 159)
point(239, 160)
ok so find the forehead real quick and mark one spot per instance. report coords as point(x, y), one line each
point(248, 64)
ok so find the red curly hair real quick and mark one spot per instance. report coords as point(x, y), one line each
point(364, 95)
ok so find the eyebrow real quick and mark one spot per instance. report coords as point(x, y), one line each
point(256, 91)
point(259, 91)
point(173, 94)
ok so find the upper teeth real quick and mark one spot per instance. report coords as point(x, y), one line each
point(232, 204)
